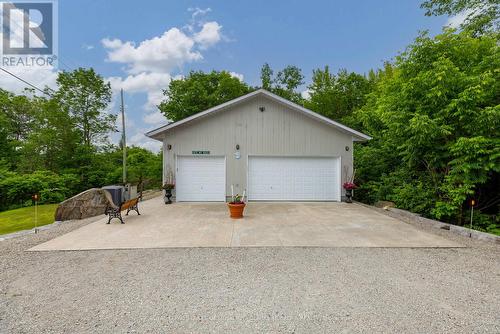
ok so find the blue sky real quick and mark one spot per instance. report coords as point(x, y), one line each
point(238, 36)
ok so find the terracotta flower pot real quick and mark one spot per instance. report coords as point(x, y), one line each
point(236, 210)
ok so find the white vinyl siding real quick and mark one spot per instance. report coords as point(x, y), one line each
point(201, 179)
point(293, 178)
point(277, 131)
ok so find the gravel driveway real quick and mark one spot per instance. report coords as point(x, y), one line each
point(282, 290)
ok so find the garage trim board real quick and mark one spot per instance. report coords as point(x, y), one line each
point(293, 178)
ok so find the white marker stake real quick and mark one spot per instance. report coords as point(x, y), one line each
point(243, 198)
point(36, 217)
point(471, 215)
point(232, 193)
point(472, 203)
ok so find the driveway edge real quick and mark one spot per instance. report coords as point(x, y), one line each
point(410, 217)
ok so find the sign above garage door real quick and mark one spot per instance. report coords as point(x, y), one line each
point(200, 152)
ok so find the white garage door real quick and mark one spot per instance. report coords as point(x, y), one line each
point(294, 178)
point(201, 179)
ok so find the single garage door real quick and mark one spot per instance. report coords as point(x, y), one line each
point(293, 178)
point(200, 179)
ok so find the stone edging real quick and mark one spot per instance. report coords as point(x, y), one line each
point(411, 217)
point(31, 231)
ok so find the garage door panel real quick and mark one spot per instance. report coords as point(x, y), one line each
point(200, 179)
point(294, 178)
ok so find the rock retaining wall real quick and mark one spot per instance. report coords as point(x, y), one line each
point(410, 217)
point(89, 203)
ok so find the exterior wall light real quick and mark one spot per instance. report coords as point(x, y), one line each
point(347, 148)
point(237, 146)
point(169, 147)
point(262, 108)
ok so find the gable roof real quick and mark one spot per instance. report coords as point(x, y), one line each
point(357, 136)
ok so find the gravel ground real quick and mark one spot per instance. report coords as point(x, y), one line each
point(301, 290)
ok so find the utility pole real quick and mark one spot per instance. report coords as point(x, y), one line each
point(124, 142)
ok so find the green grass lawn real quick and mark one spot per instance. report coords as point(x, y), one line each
point(24, 218)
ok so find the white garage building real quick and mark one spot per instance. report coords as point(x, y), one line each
point(273, 148)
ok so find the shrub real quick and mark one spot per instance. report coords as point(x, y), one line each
point(16, 189)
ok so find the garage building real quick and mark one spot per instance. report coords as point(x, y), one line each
point(274, 149)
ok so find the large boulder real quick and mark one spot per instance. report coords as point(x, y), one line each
point(90, 203)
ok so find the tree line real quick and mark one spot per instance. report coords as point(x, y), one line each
point(433, 113)
point(58, 144)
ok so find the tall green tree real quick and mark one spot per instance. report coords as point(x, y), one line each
point(285, 83)
point(85, 95)
point(17, 119)
point(337, 96)
point(481, 16)
point(199, 91)
point(266, 77)
point(143, 166)
point(435, 119)
point(53, 140)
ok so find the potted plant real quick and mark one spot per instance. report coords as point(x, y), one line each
point(168, 187)
point(236, 206)
point(349, 186)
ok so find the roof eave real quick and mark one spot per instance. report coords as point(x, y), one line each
point(157, 133)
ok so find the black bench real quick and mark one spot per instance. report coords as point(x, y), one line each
point(130, 205)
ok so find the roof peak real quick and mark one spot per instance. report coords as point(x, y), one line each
point(156, 134)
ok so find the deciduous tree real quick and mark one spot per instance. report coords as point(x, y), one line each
point(85, 95)
point(199, 91)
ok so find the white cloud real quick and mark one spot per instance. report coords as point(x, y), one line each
point(197, 11)
point(197, 18)
point(209, 35)
point(155, 118)
point(142, 82)
point(87, 47)
point(457, 20)
point(111, 43)
point(152, 84)
point(38, 76)
point(139, 139)
point(306, 94)
point(238, 76)
point(164, 53)
point(149, 65)
point(154, 99)
point(136, 137)
point(159, 54)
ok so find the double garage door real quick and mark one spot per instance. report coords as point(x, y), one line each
point(293, 179)
point(269, 178)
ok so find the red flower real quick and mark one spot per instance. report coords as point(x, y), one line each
point(350, 185)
